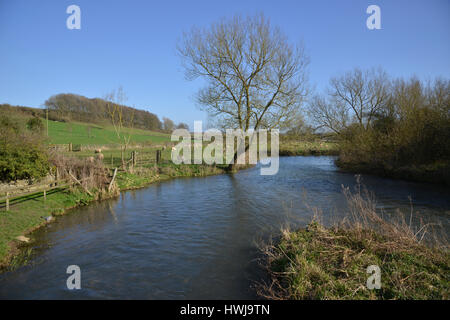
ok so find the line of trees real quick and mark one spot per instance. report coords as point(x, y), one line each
point(72, 107)
point(384, 124)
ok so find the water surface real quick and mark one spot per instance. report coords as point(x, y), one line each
point(195, 238)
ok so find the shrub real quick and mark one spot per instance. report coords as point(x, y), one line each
point(22, 153)
point(35, 124)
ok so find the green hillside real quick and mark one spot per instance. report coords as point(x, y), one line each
point(93, 134)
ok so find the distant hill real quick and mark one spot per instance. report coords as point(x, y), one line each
point(72, 107)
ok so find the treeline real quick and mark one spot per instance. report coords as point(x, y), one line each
point(395, 127)
point(72, 107)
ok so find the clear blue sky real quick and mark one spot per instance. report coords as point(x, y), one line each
point(133, 43)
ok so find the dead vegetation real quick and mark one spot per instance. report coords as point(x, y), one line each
point(320, 262)
point(90, 172)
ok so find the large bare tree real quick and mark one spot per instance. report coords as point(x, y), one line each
point(355, 97)
point(254, 77)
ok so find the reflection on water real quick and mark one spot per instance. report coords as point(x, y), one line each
point(195, 238)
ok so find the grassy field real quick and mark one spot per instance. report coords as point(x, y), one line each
point(78, 133)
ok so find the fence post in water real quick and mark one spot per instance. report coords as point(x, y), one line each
point(7, 201)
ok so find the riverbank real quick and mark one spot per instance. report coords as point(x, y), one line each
point(438, 172)
point(292, 147)
point(319, 262)
point(27, 216)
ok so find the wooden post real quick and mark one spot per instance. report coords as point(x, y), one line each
point(7, 201)
point(133, 158)
point(70, 147)
point(45, 195)
point(158, 156)
point(112, 180)
point(76, 180)
point(47, 119)
point(56, 176)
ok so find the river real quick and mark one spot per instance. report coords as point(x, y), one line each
point(196, 238)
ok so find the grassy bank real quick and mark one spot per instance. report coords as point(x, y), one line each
point(330, 263)
point(292, 147)
point(438, 172)
point(27, 215)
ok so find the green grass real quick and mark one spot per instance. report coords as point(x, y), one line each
point(292, 147)
point(77, 133)
point(25, 216)
point(321, 263)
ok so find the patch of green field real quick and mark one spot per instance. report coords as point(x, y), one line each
point(93, 134)
point(25, 214)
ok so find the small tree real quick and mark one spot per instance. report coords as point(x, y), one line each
point(122, 125)
point(182, 125)
point(168, 125)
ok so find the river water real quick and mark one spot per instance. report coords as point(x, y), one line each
point(196, 238)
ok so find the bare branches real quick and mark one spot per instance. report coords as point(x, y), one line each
point(123, 122)
point(357, 96)
point(250, 68)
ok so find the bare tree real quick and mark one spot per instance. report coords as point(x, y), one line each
point(355, 97)
point(123, 125)
point(168, 125)
point(254, 77)
point(326, 112)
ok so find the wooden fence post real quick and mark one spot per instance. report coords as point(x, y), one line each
point(45, 195)
point(70, 147)
point(133, 158)
point(112, 180)
point(7, 201)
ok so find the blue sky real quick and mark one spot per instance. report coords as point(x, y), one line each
point(133, 43)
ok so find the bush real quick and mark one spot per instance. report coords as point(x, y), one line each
point(22, 152)
point(35, 124)
point(411, 132)
point(24, 161)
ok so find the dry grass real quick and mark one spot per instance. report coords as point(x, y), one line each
point(330, 263)
point(90, 171)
